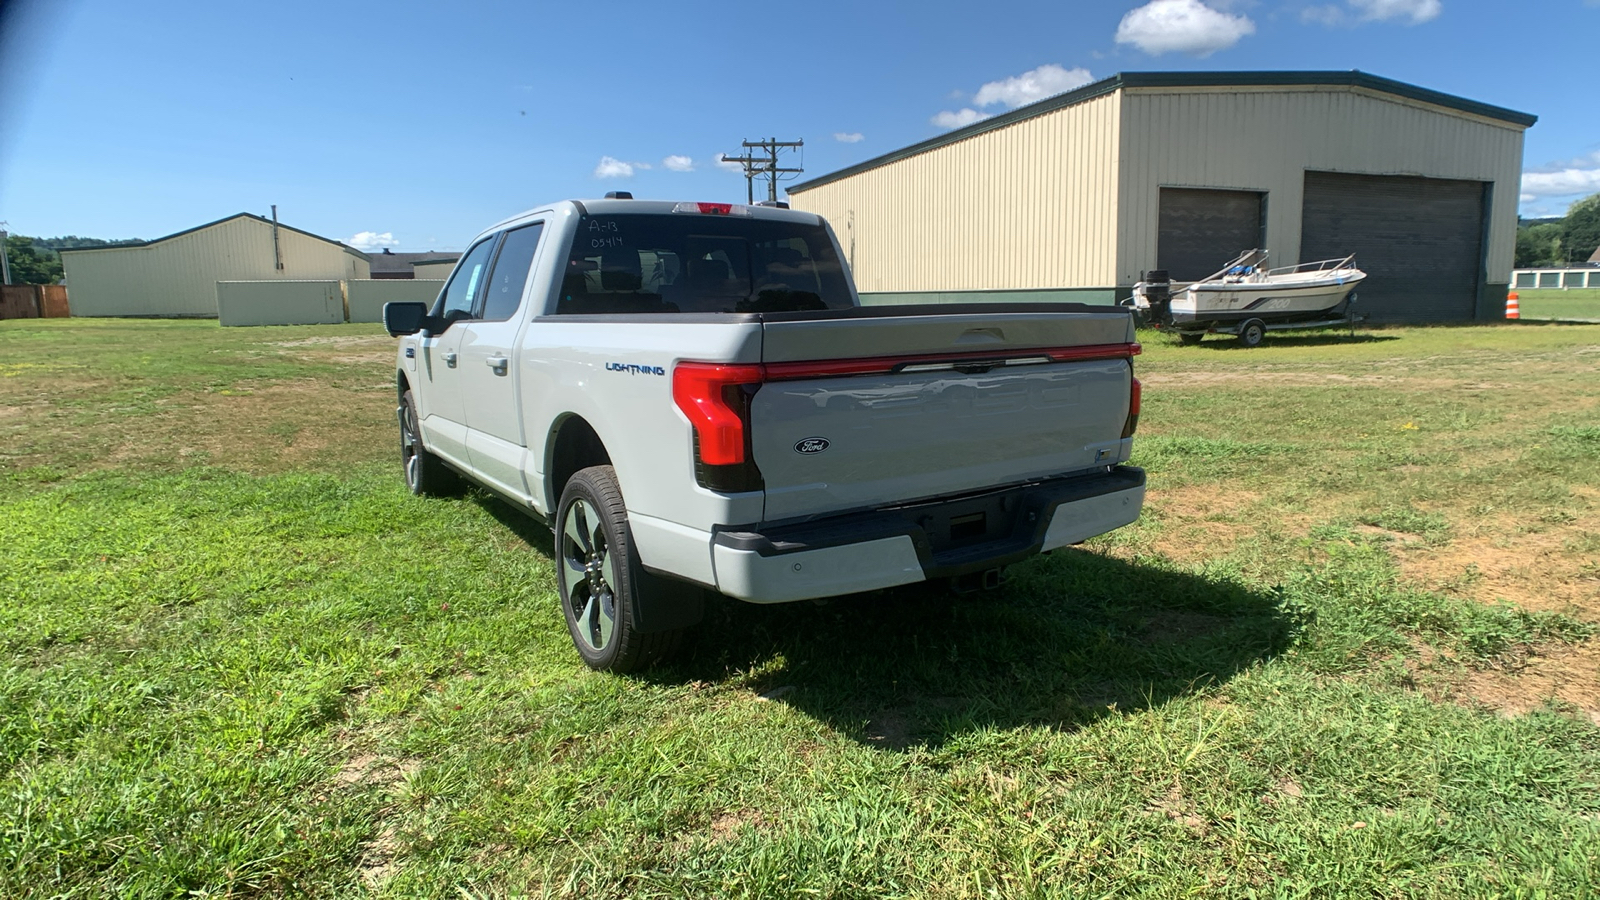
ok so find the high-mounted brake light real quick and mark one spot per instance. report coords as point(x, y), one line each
point(713, 209)
point(1135, 400)
point(708, 394)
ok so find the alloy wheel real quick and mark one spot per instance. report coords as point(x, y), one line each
point(589, 575)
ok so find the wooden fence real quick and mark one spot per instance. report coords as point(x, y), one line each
point(31, 301)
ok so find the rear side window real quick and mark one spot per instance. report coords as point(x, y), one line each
point(511, 273)
point(695, 263)
point(459, 294)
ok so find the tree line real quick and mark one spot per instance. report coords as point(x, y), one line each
point(35, 260)
point(1567, 241)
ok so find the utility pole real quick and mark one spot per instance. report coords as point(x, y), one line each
point(764, 165)
point(5, 265)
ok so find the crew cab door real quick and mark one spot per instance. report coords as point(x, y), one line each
point(489, 370)
point(444, 423)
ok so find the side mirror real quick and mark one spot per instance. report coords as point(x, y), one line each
point(406, 317)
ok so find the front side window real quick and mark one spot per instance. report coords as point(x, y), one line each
point(510, 273)
point(456, 301)
point(698, 263)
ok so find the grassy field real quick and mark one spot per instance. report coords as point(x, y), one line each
point(1554, 304)
point(1347, 651)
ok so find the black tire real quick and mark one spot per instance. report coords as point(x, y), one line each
point(1190, 338)
point(426, 475)
point(600, 578)
point(1251, 333)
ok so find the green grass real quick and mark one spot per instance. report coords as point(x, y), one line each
point(267, 670)
point(1580, 303)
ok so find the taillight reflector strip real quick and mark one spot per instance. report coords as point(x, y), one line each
point(1135, 401)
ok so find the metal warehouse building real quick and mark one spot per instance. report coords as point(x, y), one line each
point(176, 276)
point(1076, 196)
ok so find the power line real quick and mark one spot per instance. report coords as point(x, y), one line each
point(765, 166)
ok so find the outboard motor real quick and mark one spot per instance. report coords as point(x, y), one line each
point(1158, 293)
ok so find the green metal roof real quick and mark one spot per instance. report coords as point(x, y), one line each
point(1352, 78)
point(124, 245)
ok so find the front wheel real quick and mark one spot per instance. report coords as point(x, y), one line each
point(426, 474)
point(600, 577)
point(1252, 332)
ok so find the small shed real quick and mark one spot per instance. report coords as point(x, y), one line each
point(176, 276)
point(387, 264)
point(434, 269)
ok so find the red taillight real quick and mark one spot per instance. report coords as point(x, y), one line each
point(1135, 399)
point(715, 209)
point(701, 391)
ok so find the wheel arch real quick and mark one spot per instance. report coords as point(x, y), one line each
point(573, 444)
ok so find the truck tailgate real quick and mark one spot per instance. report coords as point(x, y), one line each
point(869, 412)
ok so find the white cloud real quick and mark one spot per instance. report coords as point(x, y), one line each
point(373, 240)
point(1323, 15)
point(1409, 12)
point(1527, 198)
point(959, 118)
point(1564, 183)
point(1414, 11)
point(611, 167)
point(1035, 84)
point(1563, 179)
point(1018, 90)
point(728, 165)
point(853, 137)
point(677, 163)
point(1183, 26)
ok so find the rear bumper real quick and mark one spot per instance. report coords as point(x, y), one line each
point(918, 542)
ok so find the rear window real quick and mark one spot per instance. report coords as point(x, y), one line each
point(696, 263)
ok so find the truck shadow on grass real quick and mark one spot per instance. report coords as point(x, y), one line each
point(1069, 639)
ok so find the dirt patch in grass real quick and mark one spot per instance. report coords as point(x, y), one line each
point(274, 428)
point(727, 826)
point(1536, 570)
point(1563, 673)
point(1179, 808)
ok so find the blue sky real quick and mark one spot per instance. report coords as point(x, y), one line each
point(415, 125)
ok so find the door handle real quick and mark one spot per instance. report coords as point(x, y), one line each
point(498, 364)
point(450, 360)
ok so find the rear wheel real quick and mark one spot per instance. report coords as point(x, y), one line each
point(1190, 337)
point(600, 577)
point(1252, 332)
point(426, 474)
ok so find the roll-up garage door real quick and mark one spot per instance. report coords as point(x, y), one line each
point(1420, 241)
point(1200, 230)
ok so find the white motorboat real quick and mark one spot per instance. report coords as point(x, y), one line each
point(1247, 298)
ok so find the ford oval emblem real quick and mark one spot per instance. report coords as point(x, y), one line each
point(811, 445)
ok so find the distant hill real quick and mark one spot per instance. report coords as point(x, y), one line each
point(49, 246)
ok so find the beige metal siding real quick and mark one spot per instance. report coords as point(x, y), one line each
point(432, 271)
point(279, 302)
point(1031, 205)
point(178, 276)
point(365, 298)
point(1265, 139)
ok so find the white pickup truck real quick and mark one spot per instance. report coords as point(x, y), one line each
point(694, 398)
